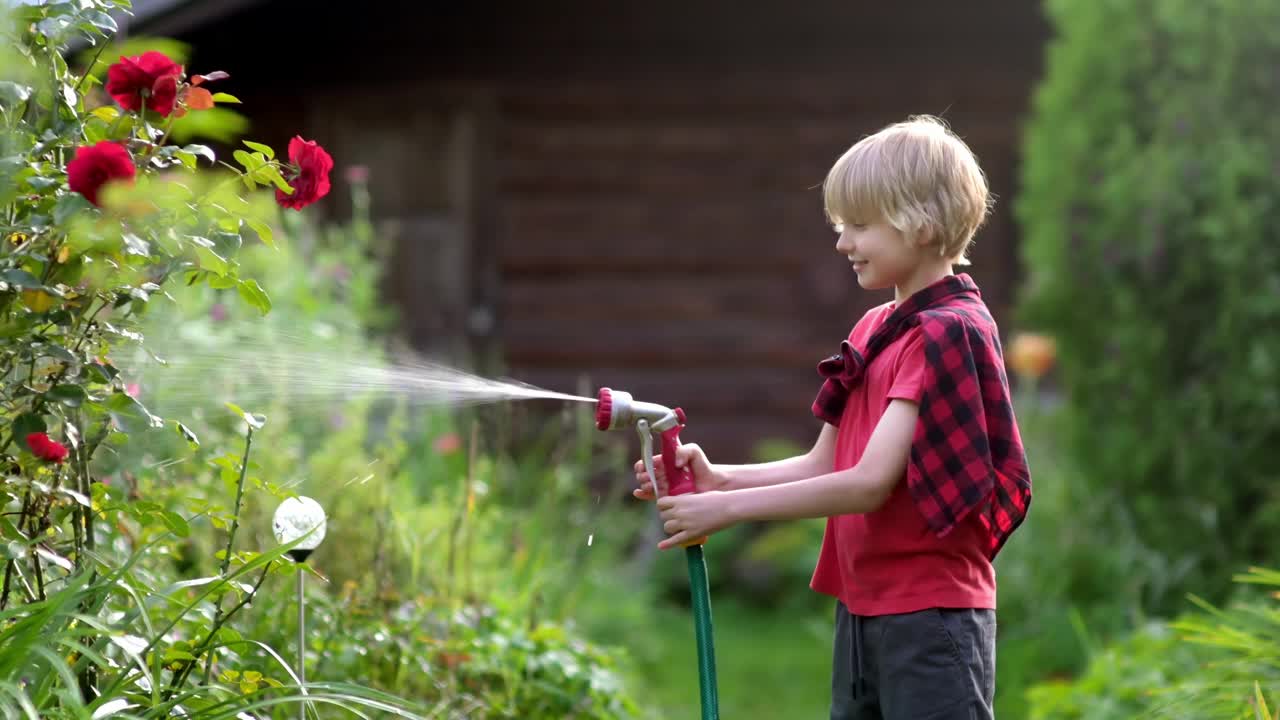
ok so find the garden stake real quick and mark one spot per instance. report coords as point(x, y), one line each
point(296, 518)
point(617, 409)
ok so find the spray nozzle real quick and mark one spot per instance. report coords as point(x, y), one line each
point(617, 409)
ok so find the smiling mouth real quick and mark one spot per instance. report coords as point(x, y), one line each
point(858, 264)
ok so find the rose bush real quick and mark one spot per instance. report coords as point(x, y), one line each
point(100, 215)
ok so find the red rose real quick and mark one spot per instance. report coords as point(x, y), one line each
point(311, 182)
point(96, 165)
point(150, 77)
point(45, 448)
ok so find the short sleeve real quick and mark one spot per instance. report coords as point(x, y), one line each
point(909, 376)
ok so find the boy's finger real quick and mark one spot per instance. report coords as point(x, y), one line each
point(674, 541)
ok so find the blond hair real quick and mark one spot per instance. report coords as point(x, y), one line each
point(918, 177)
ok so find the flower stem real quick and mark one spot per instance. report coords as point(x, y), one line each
point(92, 63)
point(231, 539)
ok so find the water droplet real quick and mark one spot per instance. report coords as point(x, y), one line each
point(590, 538)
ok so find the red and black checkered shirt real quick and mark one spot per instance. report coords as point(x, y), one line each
point(967, 453)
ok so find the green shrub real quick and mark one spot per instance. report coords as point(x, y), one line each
point(1150, 215)
point(1216, 664)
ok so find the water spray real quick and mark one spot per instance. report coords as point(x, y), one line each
point(616, 409)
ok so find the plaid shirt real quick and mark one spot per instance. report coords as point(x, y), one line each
point(966, 453)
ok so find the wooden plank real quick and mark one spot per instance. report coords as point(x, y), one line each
point(617, 230)
point(661, 342)
point(613, 296)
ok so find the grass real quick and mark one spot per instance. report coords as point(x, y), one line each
point(768, 664)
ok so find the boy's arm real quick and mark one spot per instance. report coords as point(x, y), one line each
point(817, 461)
point(860, 489)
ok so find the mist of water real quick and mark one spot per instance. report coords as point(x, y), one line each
point(304, 369)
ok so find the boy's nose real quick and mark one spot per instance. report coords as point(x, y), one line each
point(844, 245)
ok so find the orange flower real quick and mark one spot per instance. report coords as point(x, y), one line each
point(448, 443)
point(1031, 354)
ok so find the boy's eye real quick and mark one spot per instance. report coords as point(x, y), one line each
point(859, 226)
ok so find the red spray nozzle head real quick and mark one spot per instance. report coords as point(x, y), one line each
point(604, 409)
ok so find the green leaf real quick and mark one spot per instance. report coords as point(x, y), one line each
point(210, 260)
point(264, 149)
point(102, 373)
point(253, 294)
point(262, 229)
point(191, 438)
point(175, 523)
point(106, 113)
point(203, 151)
point(130, 407)
point(69, 395)
point(21, 278)
point(221, 282)
point(255, 420)
point(175, 654)
point(249, 162)
point(58, 352)
point(41, 183)
point(101, 20)
point(69, 205)
point(12, 93)
point(273, 174)
point(28, 423)
point(135, 245)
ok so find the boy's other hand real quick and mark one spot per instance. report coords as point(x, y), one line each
point(705, 478)
point(695, 515)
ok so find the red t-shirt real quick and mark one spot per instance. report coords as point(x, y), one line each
point(890, 561)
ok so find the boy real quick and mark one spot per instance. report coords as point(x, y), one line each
point(919, 468)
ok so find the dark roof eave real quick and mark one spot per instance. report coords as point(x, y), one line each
point(174, 18)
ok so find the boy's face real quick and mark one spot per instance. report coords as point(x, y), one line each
point(881, 255)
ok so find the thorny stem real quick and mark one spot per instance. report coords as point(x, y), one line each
point(35, 564)
point(204, 646)
point(219, 616)
point(9, 566)
point(92, 64)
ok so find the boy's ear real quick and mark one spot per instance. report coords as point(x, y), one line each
point(921, 238)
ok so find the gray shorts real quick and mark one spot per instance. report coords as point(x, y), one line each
point(936, 664)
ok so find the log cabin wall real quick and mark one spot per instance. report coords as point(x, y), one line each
point(630, 191)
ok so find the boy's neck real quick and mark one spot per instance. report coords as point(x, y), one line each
point(923, 277)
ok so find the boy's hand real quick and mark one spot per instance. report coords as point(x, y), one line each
point(693, 515)
point(705, 478)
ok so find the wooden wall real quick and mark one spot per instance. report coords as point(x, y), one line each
point(630, 191)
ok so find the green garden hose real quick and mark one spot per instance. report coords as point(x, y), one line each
point(702, 631)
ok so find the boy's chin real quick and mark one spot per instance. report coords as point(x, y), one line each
point(870, 283)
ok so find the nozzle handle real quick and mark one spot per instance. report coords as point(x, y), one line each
point(679, 479)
